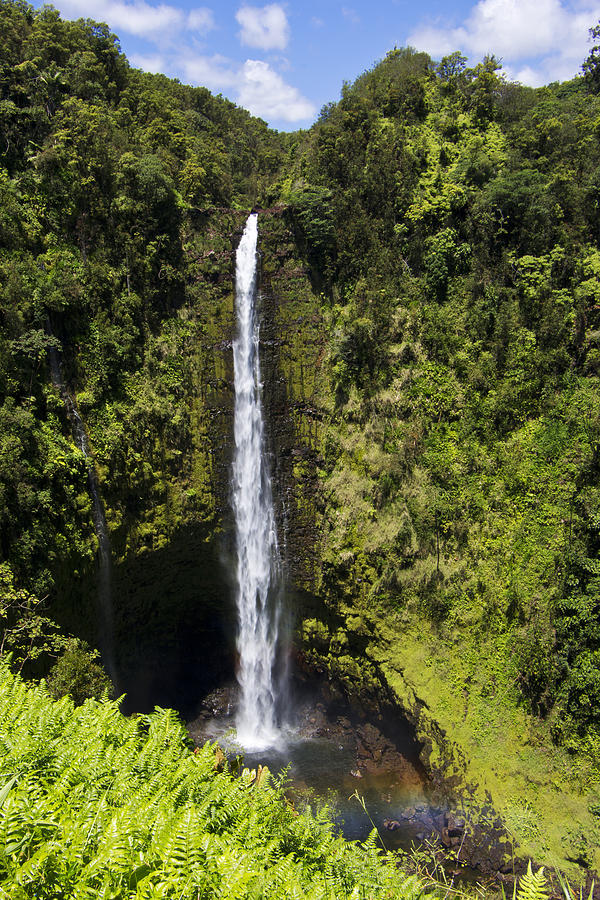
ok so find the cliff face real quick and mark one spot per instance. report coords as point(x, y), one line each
point(352, 544)
point(167, 497)
point(293, 344)
point(357, 514)
point(163, 456)
point(335, 633)
point(167, 500)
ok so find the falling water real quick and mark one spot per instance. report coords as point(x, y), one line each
point(105, 608)
point(258, 601)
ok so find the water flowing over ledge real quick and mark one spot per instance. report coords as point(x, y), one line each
point(258, 563)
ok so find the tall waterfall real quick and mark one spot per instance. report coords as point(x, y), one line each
point(258, 565)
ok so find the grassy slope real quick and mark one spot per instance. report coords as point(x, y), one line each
point(464, 663)
point(536, 787)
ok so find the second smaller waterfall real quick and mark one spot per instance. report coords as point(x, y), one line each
point(258, 576)
point(105, 607)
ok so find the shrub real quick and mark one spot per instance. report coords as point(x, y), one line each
point(94, 804)
point(78, 674)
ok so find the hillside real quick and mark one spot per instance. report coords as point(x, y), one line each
point(431, 347)
point(450, 219)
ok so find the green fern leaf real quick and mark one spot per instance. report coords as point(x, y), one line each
point(533, 886)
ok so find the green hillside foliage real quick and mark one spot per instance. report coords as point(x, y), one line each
point(96, 805)
point(450, 223)
point(99, 169)
point(451, 219)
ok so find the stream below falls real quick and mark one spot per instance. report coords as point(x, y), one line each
point(332, 756)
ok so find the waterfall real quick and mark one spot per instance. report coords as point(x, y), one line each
point(258, 565)
point(105, 607)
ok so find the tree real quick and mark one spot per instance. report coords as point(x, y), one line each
point(591, 66)
point(78, 674)
point(24, 632)
point(451, 67)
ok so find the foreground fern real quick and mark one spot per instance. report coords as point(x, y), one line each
point(533, 885)
point(96, 805)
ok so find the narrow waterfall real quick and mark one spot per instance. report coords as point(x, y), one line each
point(104, 606)
point(258, 564)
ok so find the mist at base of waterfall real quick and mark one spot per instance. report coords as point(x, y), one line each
point(321, 768)
point(253, 740)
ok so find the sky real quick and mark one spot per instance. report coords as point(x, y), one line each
point(284, 60)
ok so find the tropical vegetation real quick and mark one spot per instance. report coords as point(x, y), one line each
point(441, 225)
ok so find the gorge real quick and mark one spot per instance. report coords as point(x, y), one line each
point(324, 750)
point(429, 280)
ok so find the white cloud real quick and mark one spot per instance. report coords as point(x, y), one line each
point(149, 63)
point(201, 19)
point(549, 37)
point(145, 20)
point(256, 85)
point(526, 75)
point(264, 93)
point(435, 39)
point(265, 27)
point(214, 72)
point(137, 17)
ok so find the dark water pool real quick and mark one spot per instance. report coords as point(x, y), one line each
point(368, 772)
point(324, 768)
point(320, 769)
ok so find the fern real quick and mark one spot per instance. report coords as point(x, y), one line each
point(94, 806)
point(533, 886)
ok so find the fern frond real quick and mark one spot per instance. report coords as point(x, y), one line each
point(94, 806)
point(533, 886)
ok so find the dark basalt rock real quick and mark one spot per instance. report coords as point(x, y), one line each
point(220, 702)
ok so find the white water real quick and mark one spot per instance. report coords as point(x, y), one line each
point(256, 537)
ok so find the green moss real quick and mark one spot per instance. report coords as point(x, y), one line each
point(533, 784)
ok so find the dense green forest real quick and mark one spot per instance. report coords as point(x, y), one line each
point(452, 222)
point(445, 225)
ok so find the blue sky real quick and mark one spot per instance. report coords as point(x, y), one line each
point(283, 61)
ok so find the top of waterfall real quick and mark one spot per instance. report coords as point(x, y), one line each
point(245, 277)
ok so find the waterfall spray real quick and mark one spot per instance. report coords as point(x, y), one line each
point(258, 562)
